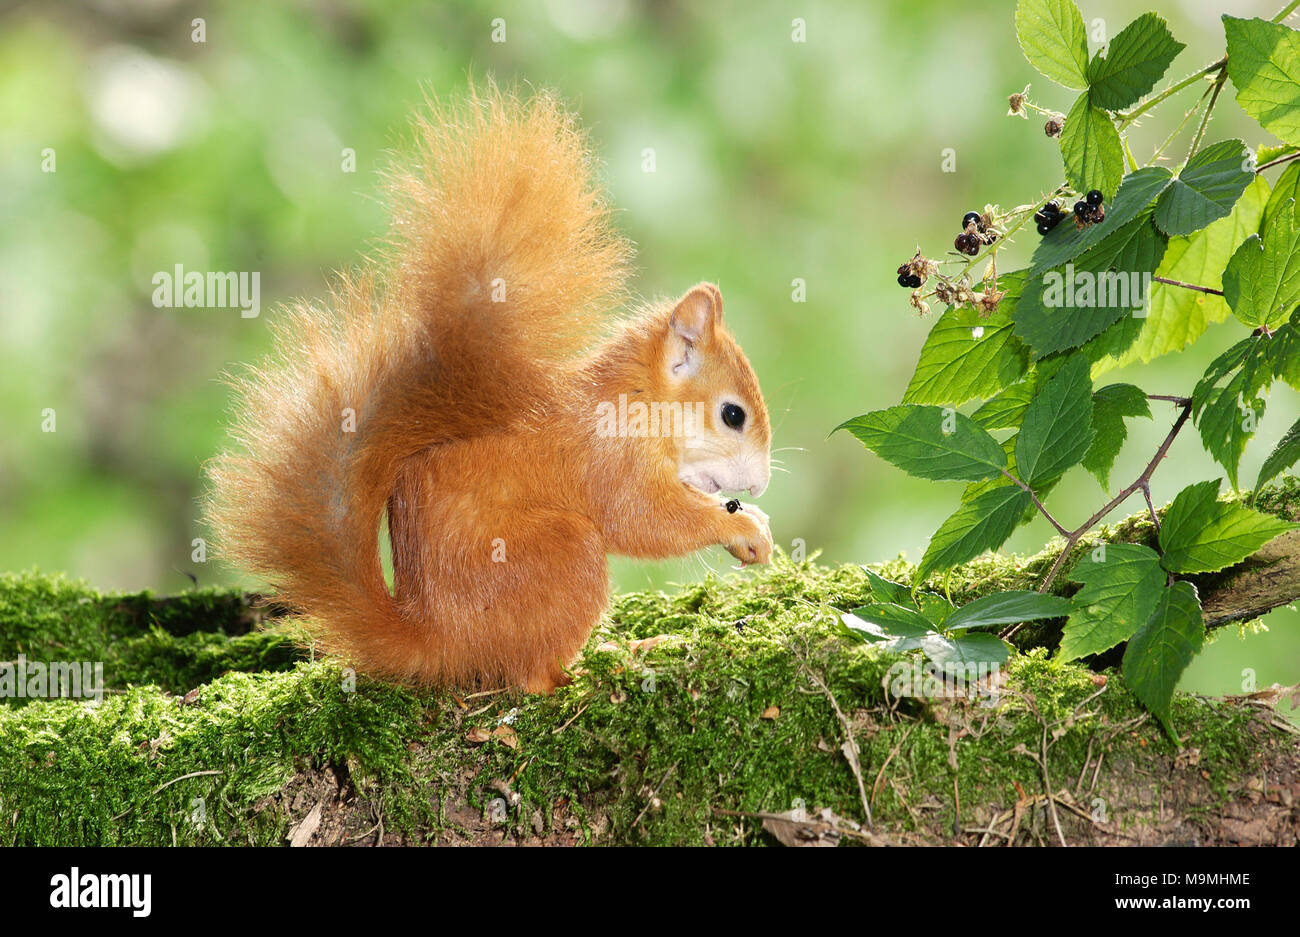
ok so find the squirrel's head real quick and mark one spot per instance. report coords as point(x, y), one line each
point(727, 444)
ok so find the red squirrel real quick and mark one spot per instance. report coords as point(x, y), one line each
point(469, 382)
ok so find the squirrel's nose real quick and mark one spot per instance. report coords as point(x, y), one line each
point(756, 490)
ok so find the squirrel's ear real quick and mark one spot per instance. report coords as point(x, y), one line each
point(692, 323)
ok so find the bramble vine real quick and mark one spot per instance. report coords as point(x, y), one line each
point(1152, 259)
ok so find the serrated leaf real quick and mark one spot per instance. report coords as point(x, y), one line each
point(1284, 455)
point(1104, 351)
point(1110, 405)
point(913, 438)
point(1205, 189)
point(884, 590)
point(1090, 148)
point(1201, 534)
point(1006, 608)
point(966, 356)
point(1264, 65)
point(1006, 409)
point(1065, 242)
point(1072, 304)
point(1162, 648)
point(1286, 190)
point(1120, 591)
point(1176, 317)
point(968, 650)
point(1262, 281)
point(1227, 421)
point(883, 622)
point(1284, 355)
point(1052, 37)
point(1136, 58)
point(1057, 429)
point(983, 523)
point(1266, 154)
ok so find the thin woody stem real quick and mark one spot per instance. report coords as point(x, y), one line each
point(1209, 109)
point(1277, 162)
point(1143, 483)
point(1173, 89)
point(1038, 504)
point(1188, 286)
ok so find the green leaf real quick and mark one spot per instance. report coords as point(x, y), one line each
point(1176, 317)
point(1122, 583)
point(1007, 409)
point(914, 439)
point(1264, 65)
point(965, 651)
point(1163, 647)
point(1052, 37)
point(1006, 608)
point(1262, 281)
point(1072, 304)
point(901, 627)
point(1104, 350)
point(1110, 405)
point(1287, 189)
point(1057, 429)
point(1284, 355)
point(1227, 420)
point(1205, 189)
point(1283, 456)
point(1266, 154)
point(1134, 62)
point(883, 590)
point(1065, 242)
point(966, 356)
point(982, 523)
point(1090, 148)
point(1201, 534)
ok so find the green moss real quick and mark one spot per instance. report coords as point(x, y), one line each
point(176, 642)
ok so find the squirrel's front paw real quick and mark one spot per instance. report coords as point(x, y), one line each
point(751, 541)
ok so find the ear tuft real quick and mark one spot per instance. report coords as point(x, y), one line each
point(697, 313)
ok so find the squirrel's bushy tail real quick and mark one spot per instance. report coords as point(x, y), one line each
point(499, 258)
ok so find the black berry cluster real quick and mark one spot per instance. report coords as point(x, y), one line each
point(907, 278)
point(975, 231)
point(1048, 217)
point(1089, 209)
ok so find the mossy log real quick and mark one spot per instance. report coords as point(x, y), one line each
point(712, 715)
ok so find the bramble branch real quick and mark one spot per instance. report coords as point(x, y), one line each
point(1188, 286)
point(1038, 504)
point(1143, 483)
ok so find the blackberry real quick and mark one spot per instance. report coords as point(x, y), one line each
point(1094, 198)
point(1044, 227)
point(1082, 210)
point(1052, 208)
point(968, 218)
point(967, 244)
point(914, 281)
point(903, 279)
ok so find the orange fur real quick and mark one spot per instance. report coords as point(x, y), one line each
point(475, 419)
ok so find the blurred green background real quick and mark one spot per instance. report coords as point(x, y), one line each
point(775, 160)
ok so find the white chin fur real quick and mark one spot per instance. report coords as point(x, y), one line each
point(714, 479)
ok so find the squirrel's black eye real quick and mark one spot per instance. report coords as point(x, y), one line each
point(733, 416)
